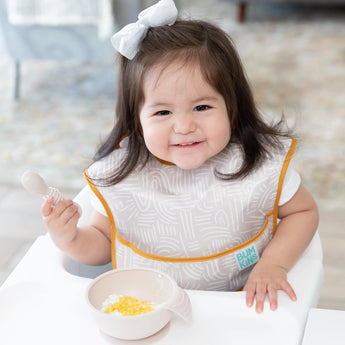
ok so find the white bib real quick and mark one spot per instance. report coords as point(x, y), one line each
point(205, 232)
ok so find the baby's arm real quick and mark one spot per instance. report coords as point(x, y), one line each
point(88, 244)
point(298, 223)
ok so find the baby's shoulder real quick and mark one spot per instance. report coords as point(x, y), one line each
point(280, 154)
point(284, 147)
point(105, 166)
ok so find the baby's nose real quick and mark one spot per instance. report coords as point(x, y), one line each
point(184, 124)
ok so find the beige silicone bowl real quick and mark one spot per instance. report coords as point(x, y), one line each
point(144, 284)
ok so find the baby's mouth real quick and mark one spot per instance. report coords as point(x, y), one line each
point(187, 144)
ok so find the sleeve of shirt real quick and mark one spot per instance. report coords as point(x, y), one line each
point(97, 205)
point(291, 184)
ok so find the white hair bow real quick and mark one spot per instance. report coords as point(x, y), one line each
point(127, 40)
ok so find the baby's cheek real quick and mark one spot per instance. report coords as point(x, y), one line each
point(155, 141)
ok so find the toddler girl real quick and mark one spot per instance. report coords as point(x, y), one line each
point(191, 180)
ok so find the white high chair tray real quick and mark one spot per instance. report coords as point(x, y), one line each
point(41, 303)
point(325, 326)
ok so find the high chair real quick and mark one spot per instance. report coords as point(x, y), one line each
point(43, 301)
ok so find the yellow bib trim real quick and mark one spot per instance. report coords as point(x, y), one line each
point(281, 182)
point(109, 214)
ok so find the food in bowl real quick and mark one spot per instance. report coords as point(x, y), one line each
point(126, 305)
point(145, 285)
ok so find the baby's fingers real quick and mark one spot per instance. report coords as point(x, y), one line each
point(46, 208)
point(261, 290)
point(69, 213)
point(273, 293)
point(250, 293)
point(272, 296)
point(256, 291)
point(289, 290)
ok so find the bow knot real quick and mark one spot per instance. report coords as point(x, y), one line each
point(128, 39)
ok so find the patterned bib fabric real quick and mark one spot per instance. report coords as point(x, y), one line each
point(205, 232)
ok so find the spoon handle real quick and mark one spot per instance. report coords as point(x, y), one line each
point(34, 183)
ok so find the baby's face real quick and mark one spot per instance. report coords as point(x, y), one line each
point(184, 119)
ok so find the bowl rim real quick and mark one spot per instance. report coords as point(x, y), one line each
point(162, 306)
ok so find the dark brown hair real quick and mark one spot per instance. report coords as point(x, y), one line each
point(191, 42)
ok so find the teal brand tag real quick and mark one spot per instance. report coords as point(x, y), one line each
point(246, 257)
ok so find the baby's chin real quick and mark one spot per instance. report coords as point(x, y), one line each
point(189, 165)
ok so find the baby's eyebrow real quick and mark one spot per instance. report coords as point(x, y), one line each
point(158, 105)
point(205, 99)
point(167, 104)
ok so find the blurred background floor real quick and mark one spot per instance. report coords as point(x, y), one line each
point(295, 59)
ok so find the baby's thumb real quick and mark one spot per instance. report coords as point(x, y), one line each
point(46, 208)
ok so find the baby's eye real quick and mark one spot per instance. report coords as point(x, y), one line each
point(163, 112)
point(202, 107)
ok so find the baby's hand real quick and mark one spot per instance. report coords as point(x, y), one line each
point(267, 278)
point(61, 220)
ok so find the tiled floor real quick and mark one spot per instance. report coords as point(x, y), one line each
point(294, 57)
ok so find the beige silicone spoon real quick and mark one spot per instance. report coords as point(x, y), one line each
point(34, 183)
